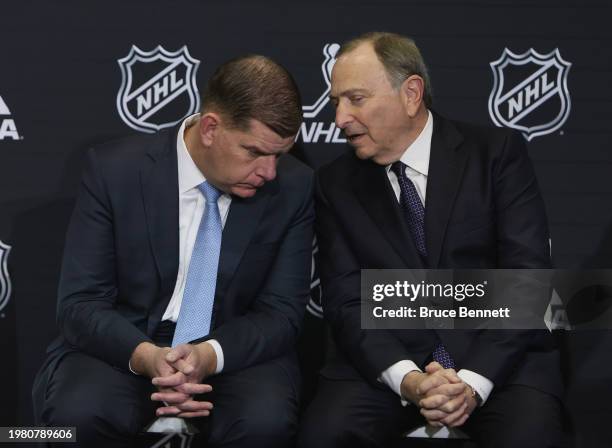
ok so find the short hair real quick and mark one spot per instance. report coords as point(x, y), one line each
point(255, 87)
point(398, 54)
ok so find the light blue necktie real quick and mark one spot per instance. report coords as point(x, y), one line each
point(199, 296)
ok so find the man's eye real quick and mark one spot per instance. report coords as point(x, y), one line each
point(357, 99)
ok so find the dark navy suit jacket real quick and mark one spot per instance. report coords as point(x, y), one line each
point(483, 210)
point(122, 250)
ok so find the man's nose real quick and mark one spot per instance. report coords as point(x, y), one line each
point(267, 168)
point(343, 117)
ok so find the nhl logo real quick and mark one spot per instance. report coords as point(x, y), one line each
point(530, 92)
point(329, 51)
point(5, 280)
point(322, 129)
point(158, 88)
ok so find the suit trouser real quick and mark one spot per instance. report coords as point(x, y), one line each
point(352, 413)
point(257, 406)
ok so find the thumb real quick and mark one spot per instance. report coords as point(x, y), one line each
point(433, 367)
point(178, 352)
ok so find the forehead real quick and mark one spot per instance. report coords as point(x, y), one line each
point(358, 69)
point(261, 137)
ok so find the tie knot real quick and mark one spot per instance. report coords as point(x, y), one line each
point(210, 192)
point(399, 168)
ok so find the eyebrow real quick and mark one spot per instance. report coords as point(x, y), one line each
point(259, 152)
point(348, 92)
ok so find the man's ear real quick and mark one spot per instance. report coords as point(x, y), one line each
point(209, 127)
point(411, 91)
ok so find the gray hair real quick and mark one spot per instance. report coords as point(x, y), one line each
point(398, 54)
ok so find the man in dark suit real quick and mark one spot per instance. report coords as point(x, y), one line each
point(420, 191)
point(187, 265)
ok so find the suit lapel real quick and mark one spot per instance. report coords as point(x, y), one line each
point(372, 188)
point(159, 181)
point(242, 220)
point(446, 165)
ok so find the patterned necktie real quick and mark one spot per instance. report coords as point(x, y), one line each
point(412, 207)
point(443, 357)
point(198, 298)
point(414, 212)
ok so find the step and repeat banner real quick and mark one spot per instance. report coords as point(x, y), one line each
point(75, 74)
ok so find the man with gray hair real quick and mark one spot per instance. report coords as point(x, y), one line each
point(424, 192)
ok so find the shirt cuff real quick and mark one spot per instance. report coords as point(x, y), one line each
point(219, 351)
point(216, 347)
point(394, 375)
point(483, 386)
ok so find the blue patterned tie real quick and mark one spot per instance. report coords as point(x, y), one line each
point(412, 207)
point(199, 296)
point(443, 357)
point(414, 212)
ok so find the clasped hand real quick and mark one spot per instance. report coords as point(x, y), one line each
point(444, 399)
point(178, 373)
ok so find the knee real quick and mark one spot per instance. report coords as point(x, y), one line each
point(330, 430)
point(537, 435)
point(528, 430)
point(257, 424)
point(275, 424)
point(68, 414)
point(93, 418)
point(525, 439)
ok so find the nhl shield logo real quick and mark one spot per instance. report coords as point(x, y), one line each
point(158, 88)
point(530, 92)
point(5, 280)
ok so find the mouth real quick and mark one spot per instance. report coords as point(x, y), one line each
point(250, 186)
point(354, 138)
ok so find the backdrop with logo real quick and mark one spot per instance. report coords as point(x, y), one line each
point(75, 74)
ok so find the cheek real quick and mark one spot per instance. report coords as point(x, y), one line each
point(376, 118)
point(386, 125)
point(245, 172)
point(377, 125)
point(238, 168)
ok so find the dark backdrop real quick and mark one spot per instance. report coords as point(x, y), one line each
point(60, 79)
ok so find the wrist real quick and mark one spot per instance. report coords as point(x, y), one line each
point(474, 395)
point(209, 357)
point(409, 386)
point(140, 361)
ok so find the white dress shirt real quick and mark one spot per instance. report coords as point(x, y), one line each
point(416, 159)
point(191, 209)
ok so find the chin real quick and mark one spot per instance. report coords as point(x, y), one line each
point(244, 192)
point(368, 154)
point(363, 153)
point(381, 159)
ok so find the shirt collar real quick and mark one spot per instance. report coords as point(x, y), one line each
point(189, 175)
point(416, 156)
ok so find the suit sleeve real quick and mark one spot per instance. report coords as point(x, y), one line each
point(522, 243)
point(271, 326)
point(373, 351)
point(87, 292)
